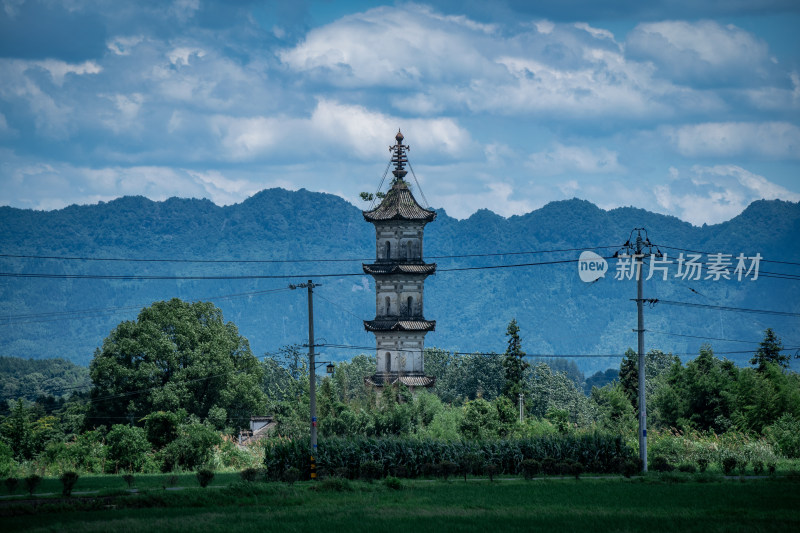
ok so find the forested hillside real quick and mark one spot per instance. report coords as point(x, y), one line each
point(559, 314)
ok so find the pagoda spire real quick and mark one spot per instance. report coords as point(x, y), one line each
point(399, 157)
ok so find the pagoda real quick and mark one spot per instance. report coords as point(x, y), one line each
point(399, 271)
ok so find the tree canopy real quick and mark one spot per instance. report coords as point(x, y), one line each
point(176, 355)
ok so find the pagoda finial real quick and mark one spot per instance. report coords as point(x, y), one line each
point(399, 157)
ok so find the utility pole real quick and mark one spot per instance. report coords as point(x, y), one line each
point(640, 331)
point(312, 374)
point(638, 255)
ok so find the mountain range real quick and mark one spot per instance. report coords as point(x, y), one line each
point(319, 236)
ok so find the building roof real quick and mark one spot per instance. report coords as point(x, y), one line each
point(399, 204)
point(409, 380)
point(400, 268)
point(394, 324)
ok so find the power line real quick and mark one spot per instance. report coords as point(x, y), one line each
point(268, 261)
point(709, 253)
point(91, 313)
point(723, 308)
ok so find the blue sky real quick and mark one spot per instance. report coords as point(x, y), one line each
point(688, 108)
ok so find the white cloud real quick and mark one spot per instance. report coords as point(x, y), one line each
point(716, 194)
point(732, 139)
point(332, 126)
point(122, 46)
point(574, 159)
point(180, 56)
point(497, 196)
point(703, 51)
point(597, 33)
point(59, 69)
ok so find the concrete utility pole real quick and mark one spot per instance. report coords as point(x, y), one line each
point(312, 366)
point(638, 249)
point(640, 330)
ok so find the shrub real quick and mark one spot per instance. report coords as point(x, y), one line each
point(68, 480)
point(31, 482)
point(563, 468)
point(393, 483)
point(771, 468)
point(575, 469)
point(399, 471)
point(742, 463)
point(729, 465)
point(128, 479)
point(204, 477)
point(702, 464)
point(11, 484)
point(192, 448)
point(249, 474)
point(127, 447)
point(431, 470)
point(490, 470)
point(172, 481)
point(630, 467)
point(531, 468)
point(688, 468)
point(291, 474)
point(448, 468)
point(660, 464)
point(549, 466)
point(336, 484)
point(784, 434)
point(758, 467)
point(371, 470)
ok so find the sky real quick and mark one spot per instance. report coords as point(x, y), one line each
point(689, 108)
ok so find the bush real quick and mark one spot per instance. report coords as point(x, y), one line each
point(336, 484)
point(575, 469)
point(11, 484)
point(758, 467)
point(531, 468)
point(204, 477)
point(448, 468)
point(68, 480)
point(371, 470)
point(660, 464)
point(742, 464)
point(630, 467)
point(702, 464)
point(784, 434)
point(192, 448)
point(127, 447)
point(249, 474)
point(729, 465)
point(771, 468)
point(549, 466)
point(688, 468)
point(491, 470)
point(393, 483)
point(128, 478)
point(31, 482)
point(291, 475)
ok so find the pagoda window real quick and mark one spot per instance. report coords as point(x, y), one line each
point(388, 306)
point(388, 362)
point(410, 311)
point(404, 249)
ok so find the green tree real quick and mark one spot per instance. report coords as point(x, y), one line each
point(176, 355)
point(513, 363)
point(769, 351)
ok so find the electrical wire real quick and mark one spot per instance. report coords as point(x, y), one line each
point(724, 308)
point(279, 261)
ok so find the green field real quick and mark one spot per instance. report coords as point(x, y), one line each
point(680, 503)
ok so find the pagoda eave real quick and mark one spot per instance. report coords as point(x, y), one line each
point(387, 269)
point(399, 325)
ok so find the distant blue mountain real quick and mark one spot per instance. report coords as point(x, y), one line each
point(558, 314)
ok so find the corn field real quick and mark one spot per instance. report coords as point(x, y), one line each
point(405, 457)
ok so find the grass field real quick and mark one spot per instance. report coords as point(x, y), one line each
point(648, 504)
